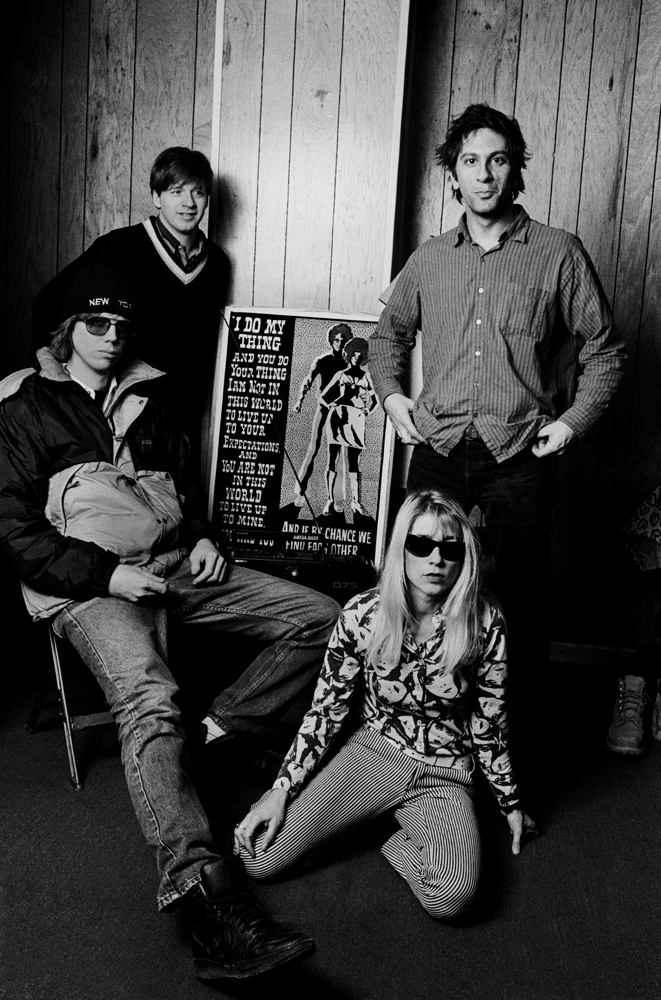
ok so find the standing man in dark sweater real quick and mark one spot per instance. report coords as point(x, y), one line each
point(178, 280)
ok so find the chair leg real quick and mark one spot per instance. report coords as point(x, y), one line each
point(66, 718)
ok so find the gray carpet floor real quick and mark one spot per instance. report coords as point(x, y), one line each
point(577, 915)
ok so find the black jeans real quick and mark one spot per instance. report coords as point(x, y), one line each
point(516, 498)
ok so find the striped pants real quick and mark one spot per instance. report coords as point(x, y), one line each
point(437, 846)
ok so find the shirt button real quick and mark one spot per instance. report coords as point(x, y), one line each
point(481, 291)
point(476, 384)
point(477, 354)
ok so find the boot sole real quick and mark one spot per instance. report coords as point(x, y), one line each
point(630, 751)
point(253, 967)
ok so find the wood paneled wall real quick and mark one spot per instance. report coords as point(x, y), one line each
point(307, 120)
point(583, 78)
point(307, 93)
point(96, 89)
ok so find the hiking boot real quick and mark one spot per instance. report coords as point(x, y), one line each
point(231, 936)
point(626, 733)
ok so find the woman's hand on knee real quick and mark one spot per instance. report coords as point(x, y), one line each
point(521, 825)
point(265, 817)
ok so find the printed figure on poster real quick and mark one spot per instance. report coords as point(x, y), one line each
point(300, 440)
point(350, 397)
point(325, 368)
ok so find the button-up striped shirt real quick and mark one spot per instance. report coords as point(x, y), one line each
point(500, 330)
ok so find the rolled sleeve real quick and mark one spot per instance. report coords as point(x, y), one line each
point(586, 314)
point(394, 338)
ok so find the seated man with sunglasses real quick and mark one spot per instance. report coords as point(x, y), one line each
point(100, 515)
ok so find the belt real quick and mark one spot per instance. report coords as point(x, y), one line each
point(471, 433)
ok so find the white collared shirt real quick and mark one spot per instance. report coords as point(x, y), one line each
point(112, 385)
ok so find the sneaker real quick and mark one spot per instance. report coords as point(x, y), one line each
point(232, 937)
point(656, 718)
point(626, 733)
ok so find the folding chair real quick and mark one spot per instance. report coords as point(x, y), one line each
point(70, 721)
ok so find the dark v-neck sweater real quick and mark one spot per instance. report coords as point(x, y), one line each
point(178, 314)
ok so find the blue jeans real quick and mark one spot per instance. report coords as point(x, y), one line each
point(125, 646)
point(516, 498)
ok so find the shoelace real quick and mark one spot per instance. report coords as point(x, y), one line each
point(631, 703)
point(246, 916)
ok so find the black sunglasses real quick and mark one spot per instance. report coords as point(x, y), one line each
point(98, 326)
point(422, 546)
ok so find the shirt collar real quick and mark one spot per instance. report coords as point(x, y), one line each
point(517, 231)
point(173, 243)
point(112, 385)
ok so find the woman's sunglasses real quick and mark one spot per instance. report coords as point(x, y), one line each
point(98, 326)
point(422, 546)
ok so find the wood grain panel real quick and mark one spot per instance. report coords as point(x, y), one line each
point(110, 116)
point(5, 136)
point(73, 147)
point(598, 477)
point(426, 120)
point(602, 182)
point(166, 33)
point(643, 470)
point(204, 69)
point(314, 148)
point(32, 217)
point(239, 141)
point(274, 150)
point(537, 86)
point(369, 62)
point(638, 423)
point(204, 85)
point(571, 113)
point(485, 64)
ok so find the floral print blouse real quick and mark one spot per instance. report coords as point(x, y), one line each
point(435, 717)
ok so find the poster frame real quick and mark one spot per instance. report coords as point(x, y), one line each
point(220, 390)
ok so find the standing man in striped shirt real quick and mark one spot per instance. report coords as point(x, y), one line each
point(502, 304)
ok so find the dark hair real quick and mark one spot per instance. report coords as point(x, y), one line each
point(180, 165)
point(357, 345)
point(477, 116)
point(340, 329)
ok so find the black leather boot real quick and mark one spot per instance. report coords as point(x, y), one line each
point(231, 936)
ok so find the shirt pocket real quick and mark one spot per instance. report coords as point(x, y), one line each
point(524, 311)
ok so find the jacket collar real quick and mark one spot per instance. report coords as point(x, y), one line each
point(127, 375)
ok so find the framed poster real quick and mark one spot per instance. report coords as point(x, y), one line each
point(301, 450)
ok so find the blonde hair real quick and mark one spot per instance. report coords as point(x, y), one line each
point(463, 606)
point(61, 342)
